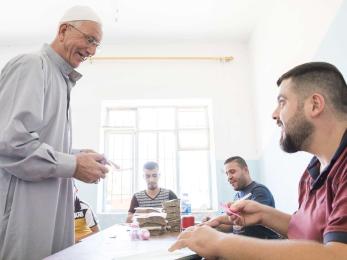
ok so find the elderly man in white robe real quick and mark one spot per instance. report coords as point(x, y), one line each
point(37, 165)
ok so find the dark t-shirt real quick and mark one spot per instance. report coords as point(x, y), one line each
point(261, 194)
point(141, 199)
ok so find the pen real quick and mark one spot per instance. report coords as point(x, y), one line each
point(246, 196)
point(231, 212)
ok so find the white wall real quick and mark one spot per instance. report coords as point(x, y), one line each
point(243, 92)
point(9, 51)
point(290, 35)
point(226, 84)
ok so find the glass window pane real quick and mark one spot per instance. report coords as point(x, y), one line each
point(192, 118)
point(121, 118)
point(167, 160)
point(147, 118)
point(119, 147)
point(166, 118)
point(118, 184)
point(153, 136)
point(156, 118)
point(193, 139)
point(194, 171)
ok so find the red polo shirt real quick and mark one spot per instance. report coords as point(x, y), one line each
point(322, 213)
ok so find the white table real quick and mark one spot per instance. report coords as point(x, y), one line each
point(115, 243)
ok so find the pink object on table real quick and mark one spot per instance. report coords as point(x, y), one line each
point(139, 234)
point(134, 224)
point(144, 234)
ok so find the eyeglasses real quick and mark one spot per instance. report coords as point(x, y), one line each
point(90, 39)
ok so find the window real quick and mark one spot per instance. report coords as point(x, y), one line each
point(176, 135)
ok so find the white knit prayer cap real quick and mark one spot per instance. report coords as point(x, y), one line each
point(80, 13)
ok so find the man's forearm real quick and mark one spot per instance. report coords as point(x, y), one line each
point(129, 217)
point(276, 220)
point(225, 228)
point(240, 247)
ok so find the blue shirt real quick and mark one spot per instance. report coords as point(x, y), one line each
point(261, 194)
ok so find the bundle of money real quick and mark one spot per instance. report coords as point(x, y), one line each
point(173, 214)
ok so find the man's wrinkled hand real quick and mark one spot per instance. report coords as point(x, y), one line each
point(88, 167)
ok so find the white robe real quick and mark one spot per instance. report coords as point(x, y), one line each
point(36, 165)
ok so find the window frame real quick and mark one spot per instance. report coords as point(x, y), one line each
point(138, 104)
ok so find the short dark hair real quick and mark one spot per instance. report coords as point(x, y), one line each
point(324, 76)
point(150, 166)
point(237, 159)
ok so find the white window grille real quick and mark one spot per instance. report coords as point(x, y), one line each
point(176, 136)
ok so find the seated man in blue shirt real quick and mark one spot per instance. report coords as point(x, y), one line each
point(237, 172)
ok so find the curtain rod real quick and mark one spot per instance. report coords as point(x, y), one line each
point(216, 58)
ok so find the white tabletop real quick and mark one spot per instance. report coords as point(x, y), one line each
point(115, 243)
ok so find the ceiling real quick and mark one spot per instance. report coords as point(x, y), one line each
point(25, 22)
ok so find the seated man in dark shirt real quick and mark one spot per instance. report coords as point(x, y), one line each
point(238, 176)
point(153, 196)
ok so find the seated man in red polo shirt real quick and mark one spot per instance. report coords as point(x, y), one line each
point(312, 114)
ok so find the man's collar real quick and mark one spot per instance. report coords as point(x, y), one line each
point(249, 185)
point(314, 166)
point(66, 69)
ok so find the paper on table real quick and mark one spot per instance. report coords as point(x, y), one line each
point(159, 254)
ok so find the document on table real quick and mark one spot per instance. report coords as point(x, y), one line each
point(182, 254)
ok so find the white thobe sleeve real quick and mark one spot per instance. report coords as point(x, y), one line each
point(22, 152)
